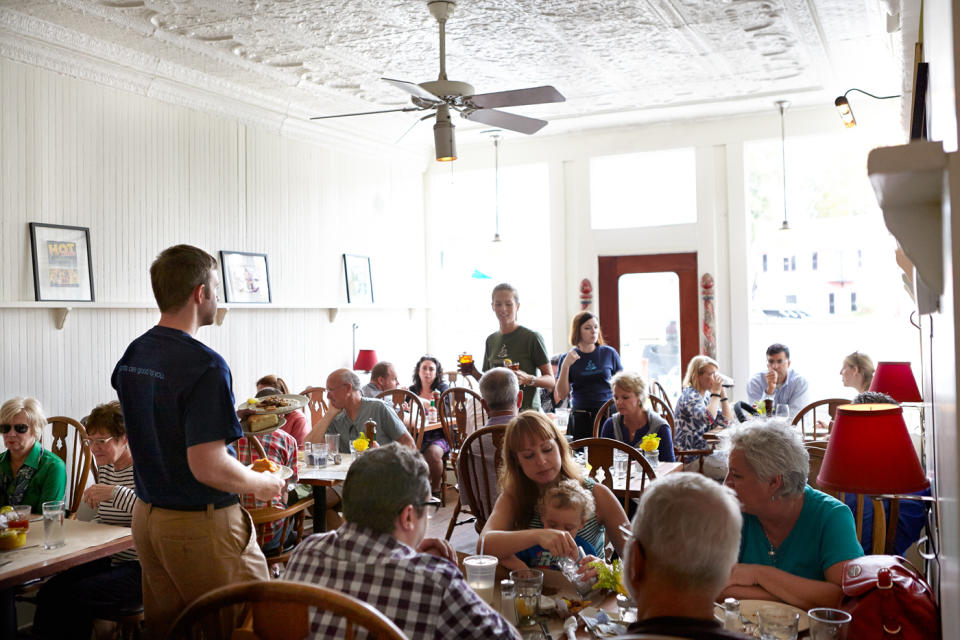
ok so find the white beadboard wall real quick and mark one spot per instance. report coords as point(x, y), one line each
point(143, 175)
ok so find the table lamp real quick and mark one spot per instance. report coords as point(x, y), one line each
point(896, 380)
point(870, 452)
point(366, 358)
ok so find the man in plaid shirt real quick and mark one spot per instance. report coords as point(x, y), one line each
point(380, 556)
point(280, 447)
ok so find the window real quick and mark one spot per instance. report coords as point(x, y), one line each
point(764, 263)
point(853, 301)
point(859, 258)
point(793, 263)
point(814, 261)
point(832, 310)
point(786, 264)
point(792, 299)
point(647, 189)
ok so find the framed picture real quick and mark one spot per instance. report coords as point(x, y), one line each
point(245, 277)
point(62, 269)
point(359, 279)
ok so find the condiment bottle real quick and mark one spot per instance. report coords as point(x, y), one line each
point(731, 615)
point(432, 412)
point(370, 429)
point(507, 593)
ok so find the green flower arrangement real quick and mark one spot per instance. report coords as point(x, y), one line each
point(608, 576)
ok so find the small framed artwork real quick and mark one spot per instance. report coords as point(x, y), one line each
point(245, 277)
point(62, 269)
point(359, 278)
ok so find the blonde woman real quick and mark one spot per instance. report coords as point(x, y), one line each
point(702, 406)
point(29, 474)
point(633, 418)
point(857, 371)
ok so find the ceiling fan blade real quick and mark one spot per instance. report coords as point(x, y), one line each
point(532, 95)
point(366, 113)
point(413, 89)
point(504, 120)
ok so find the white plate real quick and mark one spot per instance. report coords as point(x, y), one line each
point(296, 402)
point(283, 472)
point(243, 425)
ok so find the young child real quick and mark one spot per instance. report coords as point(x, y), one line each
point(567, 507)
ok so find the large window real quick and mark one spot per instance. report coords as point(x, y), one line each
point(643, 189)
point(466, 264)
point(852, 299)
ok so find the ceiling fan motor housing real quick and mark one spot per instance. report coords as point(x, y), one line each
point(441, 9)
point(448, 89)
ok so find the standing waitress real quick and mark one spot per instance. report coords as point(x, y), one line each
point(585, 373)
point(516, 345)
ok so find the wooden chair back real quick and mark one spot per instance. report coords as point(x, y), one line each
point(600, 455)
point(457, 379)
point(477, 467)
point(657, 391)
point(67, 442)
point(278, 610)
point(461, 412)
point(317, 404)
point(292, 517)
point(821, 410)
point(404, 401)
point(607, 410)
point(662, 408)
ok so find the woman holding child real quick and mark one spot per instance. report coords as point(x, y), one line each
point(547, 501)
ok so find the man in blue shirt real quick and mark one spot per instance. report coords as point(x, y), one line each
point(189, 529)
point(779, 382)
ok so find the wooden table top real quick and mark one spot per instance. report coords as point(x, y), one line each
point(85, 542)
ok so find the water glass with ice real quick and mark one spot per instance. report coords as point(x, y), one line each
point(828, 624)
point(620, 461)
point(778, 623)
point(53, 513)
point(529, 586)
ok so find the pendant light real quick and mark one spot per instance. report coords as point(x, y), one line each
point(782, 105)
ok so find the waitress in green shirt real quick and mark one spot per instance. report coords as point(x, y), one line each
point(517, 345)
point(29, 474)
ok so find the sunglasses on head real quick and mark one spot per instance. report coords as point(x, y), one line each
point(19, 428)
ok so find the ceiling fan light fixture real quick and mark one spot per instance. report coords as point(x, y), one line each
point(445, 144)
point(846, 113)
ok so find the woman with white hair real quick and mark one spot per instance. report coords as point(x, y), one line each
point(702, 406)
point(29, 474)
point(795, 540)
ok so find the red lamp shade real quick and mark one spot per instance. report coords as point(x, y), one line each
point(366, 358)
point(870, 452)
point(896, 380)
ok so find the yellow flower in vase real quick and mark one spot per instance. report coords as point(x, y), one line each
point(361, 444)
point(650, 442)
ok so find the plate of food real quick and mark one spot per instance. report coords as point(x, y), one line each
point(282, 403)
point(265, 465)
point(748, 614)
point(261, 423)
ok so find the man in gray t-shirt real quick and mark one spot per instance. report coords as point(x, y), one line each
point(383, 377)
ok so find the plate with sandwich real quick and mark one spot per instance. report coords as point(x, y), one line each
point(278, 404)
point(265, 465)
point(261, 423)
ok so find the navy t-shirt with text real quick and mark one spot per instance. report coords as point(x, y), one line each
point(590, 377)
point(176, 392)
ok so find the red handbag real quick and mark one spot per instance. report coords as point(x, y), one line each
point(889, 598)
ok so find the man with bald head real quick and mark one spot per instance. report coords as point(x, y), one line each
point(501, 395)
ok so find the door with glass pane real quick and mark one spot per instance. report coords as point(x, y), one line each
point(649, 313)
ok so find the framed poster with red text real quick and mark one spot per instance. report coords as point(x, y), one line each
point(62, 268)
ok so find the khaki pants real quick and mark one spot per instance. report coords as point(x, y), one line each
point(185, 554)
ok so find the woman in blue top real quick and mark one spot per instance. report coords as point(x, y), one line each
point(794, 540)
point(585, 373)
point(633, 418)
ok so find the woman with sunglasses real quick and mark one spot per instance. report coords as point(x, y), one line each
point(68, 603)
point(29, 474)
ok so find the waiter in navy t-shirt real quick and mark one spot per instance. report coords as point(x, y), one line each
point(189, 529)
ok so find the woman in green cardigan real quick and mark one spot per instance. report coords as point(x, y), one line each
point(29, 474)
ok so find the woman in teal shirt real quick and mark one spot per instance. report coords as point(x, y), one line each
point(29, 474)
point(795, 540)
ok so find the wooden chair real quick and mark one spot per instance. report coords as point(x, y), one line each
point(607, 410)
point(317, 405)
point(807, 417)
point(600, 455)
point(417, 424)
point(477, 466)
point(68, 436)
point(292, 517)
point(662, 408)
point(457, 379)
point(461, 412)
point(278, 610)
point(657, 391)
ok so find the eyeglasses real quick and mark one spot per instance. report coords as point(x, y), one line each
point(432, 506)
point(19, 428)
point(99, 441)
point(339, 386)
point(627, 533)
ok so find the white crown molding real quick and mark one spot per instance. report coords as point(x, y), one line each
point(39, 43)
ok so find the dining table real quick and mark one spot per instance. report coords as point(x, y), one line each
point(85, 542)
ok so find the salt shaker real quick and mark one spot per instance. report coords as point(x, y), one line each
point(507, 608)
point(731, 615)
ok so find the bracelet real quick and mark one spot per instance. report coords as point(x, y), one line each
point(714, 395)
point(724, 399)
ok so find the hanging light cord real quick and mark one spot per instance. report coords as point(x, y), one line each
point(866, 93)
point(496, 186)
point(782, 105)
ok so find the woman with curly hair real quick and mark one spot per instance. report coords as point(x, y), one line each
point(427, 380)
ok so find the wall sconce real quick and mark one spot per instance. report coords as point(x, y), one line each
point(846, 113)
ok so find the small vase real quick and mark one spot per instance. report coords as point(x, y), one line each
point(653, 457)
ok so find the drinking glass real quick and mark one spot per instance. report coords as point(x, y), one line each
point(53, 537)
point(333, 442)
point(481, 572)
point(828, 624)
point(620, 460)
point(563, 417)
point(529, 585)
point(319, 454)
point(653, 457)
point(782, 411)
point(778, 623)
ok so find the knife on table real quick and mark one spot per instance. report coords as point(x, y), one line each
point(546, 633)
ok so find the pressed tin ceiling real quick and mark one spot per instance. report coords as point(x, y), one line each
point(616, 61)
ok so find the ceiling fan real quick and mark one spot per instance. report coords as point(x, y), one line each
point(443, 95)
